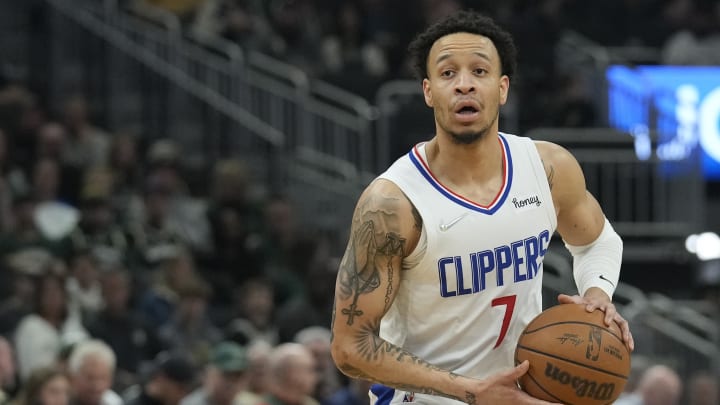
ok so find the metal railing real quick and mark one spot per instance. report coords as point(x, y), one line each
point(641, 197)
point(218, 100)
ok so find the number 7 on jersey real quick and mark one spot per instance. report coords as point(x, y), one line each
point(509, 303)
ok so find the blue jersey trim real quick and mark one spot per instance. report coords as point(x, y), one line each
point(384, 394)
point(490, 210)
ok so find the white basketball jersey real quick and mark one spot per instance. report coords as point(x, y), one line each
point(474, 281)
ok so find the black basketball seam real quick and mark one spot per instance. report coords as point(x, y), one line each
point(610, 331)
point(545, 391)
point(573, 362)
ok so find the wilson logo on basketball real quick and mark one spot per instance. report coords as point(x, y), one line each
point(583, 387)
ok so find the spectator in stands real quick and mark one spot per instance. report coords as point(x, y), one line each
point(703, 388)
point(255, 312)
point(20, 118)
point(258, 359)
point(41, 335)
point(176, 268)
point(314, 307)
point(659, 385)
point(12, 183)
point(297, 35)
point(171, 380)
point(98, 230)
point(347, 52)
point(235, 20)
point(8, 372)
point(287, 251)
point(131, 339)
point(698, 41)
point(190, 330)
point(127, 174)
point(45, 181)
point(87, 145)
point(52, 139)
point(45, 386)
point(92, 369)
point(154, 235)
point(83, 285)
point(235, 220)
point(292, 376)
point(26, 237)
point(225, 376)
point(317, 340)
point(18, 293)
point(186, 213)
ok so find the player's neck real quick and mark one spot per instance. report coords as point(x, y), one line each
point(466, 164)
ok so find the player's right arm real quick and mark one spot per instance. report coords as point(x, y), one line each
point(385, 228)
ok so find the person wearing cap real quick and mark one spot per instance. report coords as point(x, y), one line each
point(225, 376)
point(173, 378)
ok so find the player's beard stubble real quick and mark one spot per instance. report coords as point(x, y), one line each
point(470, 136)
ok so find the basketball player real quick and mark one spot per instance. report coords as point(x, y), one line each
point(443, 269)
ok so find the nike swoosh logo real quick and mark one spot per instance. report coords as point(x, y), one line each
point(608, 281)
point(445, 227)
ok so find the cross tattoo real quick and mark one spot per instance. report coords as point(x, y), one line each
point(352, 312)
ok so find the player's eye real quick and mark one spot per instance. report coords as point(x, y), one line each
point(480, 71)
point(446, 73)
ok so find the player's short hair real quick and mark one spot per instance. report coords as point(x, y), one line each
point(469, 22)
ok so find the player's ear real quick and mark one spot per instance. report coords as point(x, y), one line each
point(427, 92)
point(504, 88)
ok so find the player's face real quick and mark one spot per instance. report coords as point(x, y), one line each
point(465, 86)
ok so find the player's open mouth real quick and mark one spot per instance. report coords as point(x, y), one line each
point(466, 111)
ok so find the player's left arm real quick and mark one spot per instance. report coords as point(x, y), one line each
point(588, 235)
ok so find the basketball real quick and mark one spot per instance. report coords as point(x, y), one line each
point(574, 357)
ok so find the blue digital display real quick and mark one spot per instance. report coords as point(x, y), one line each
point(681, 103)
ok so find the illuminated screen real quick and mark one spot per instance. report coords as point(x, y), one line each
point(681, 103)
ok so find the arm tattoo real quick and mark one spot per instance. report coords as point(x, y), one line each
point(371, 251)
point(373, 348)
point(368, 254)
point(550, 169)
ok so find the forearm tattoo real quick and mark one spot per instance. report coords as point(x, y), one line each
point(372, 348)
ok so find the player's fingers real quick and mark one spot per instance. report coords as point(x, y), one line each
point(519, 370)
point(610, 314)
point(569, 299)
point(626, 334)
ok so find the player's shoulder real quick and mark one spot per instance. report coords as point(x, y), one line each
point(384, 196)
point(388, 208)
point(554, 154)
point(382, 193)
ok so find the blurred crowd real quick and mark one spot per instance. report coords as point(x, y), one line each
point(105, 246)
point(360, 44)
point(124, 281)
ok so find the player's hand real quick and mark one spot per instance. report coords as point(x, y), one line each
point(596, 298)
point(502, 388)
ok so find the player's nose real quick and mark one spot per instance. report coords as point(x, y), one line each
point(464, 83)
